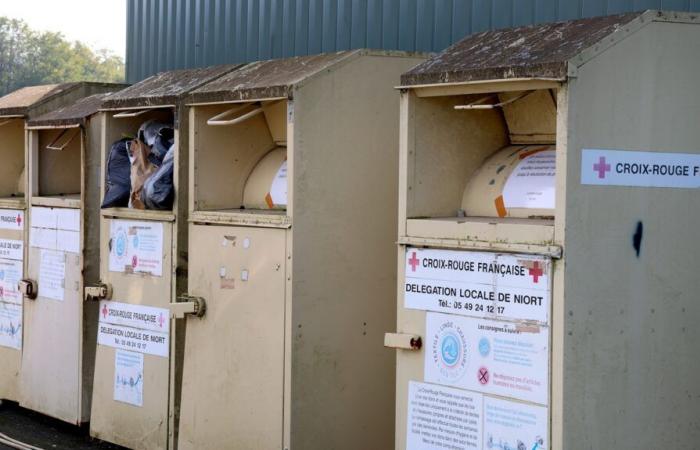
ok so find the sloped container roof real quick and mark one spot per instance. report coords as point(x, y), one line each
point(24, 101)
point(74, 114)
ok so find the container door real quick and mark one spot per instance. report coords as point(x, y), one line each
point(130, 393)
point(234, 355)
point(51, 360)
point(11, 327)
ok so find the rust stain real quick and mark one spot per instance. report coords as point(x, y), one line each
point(527, 153)
point(268, 200)
point(500, 206)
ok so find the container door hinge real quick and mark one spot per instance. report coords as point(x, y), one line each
point(403, 341)
point(187, 305)
point(28, 288)
point(101, 291)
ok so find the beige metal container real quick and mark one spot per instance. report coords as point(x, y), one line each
point(568, 327)
point(15, 110)
point(286, 353)
point(143, 265)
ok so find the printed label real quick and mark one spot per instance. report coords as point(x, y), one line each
point(643, 169)
point(278, 189)
point(531, 184)
point(136, 247)
point(128, 377)
point(10, 274)
point(12, 249)
point(11, 325)
point(488, 356)
point(512, 425)
point(11, 219)
point(52, 274)
point(442, 417)
point(479, 284)
point(138, 328)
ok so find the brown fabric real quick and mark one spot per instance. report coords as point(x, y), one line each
point(141, 169)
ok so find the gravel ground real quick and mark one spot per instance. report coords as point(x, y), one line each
point(45, 432)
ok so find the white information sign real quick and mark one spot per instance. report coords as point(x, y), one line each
point(55, 229)
point(11, 219)
point(128, 377)
point(488, 356)
point(278, 189)
point(635, 168)
point(11, 325)
point(10, 274)
point(136, 247)
point(139, 328)
point(479, 284)
point(12, 249)
point(443, 418)
point(512, 425)
point(52, 274)
point(531, 184)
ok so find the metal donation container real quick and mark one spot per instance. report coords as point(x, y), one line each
point(62, 171)
point(293, 169)
point(548, 211)
point(143, 264)
point(15, 109)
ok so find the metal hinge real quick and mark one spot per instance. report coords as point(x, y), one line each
point(101, 291)
point(187, 305)
point(28, 288)
point(403, 341)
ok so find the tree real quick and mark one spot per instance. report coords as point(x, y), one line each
point(29, 58)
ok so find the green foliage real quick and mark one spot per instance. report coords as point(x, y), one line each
point(29, 58)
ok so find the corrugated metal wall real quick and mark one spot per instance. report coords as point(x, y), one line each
point(170, 34)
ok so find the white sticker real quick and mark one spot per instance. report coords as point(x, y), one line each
point(52, 274)
point(479, 284)
point(136, 247)
point(10, 275)
point(488, 356)
point(12, 249)
point(278, 189)
point(55, 229)
point(531, 184)
point(11, 325)
point(11, 219)
point(442, 417)
point(512, 425)
point(139, 328)
point(644, 169)
point(128, 377)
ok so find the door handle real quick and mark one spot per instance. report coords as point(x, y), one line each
point(28, 288)
point(101, 291)
point(403, 341)
point(187, 305)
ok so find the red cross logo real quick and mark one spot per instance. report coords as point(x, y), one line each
point(601, 167)
point(104, 311)
point(535, 272)
point(19, 220)
point(134, 261)
point(483, 375)
point(413, 262)
point(160, 320)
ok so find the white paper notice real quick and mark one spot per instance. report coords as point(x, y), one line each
point(55, 229)
point(531, 184)
point(128, 377)
point(52, 274)
point(488, 356)
point(12, 249)
point(278, 189)
point(512, 425)
point(11, 219)
point(139, 328)
point(11, 325)
point(443, 418)
point(478, 284)
point(10, 274)
point(643, 169)
point(136, 247)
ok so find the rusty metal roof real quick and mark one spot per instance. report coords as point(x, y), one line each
point(165, 88)
point(267, 79)
point(73, 114)
point(538, 51)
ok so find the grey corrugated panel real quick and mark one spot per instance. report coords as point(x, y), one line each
point(174, 34)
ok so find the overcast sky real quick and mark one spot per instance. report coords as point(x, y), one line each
point(98, 23)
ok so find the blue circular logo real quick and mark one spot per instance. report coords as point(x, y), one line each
point(484, 347)
point(121, 244)
point(450, 349)
point(136, 241)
